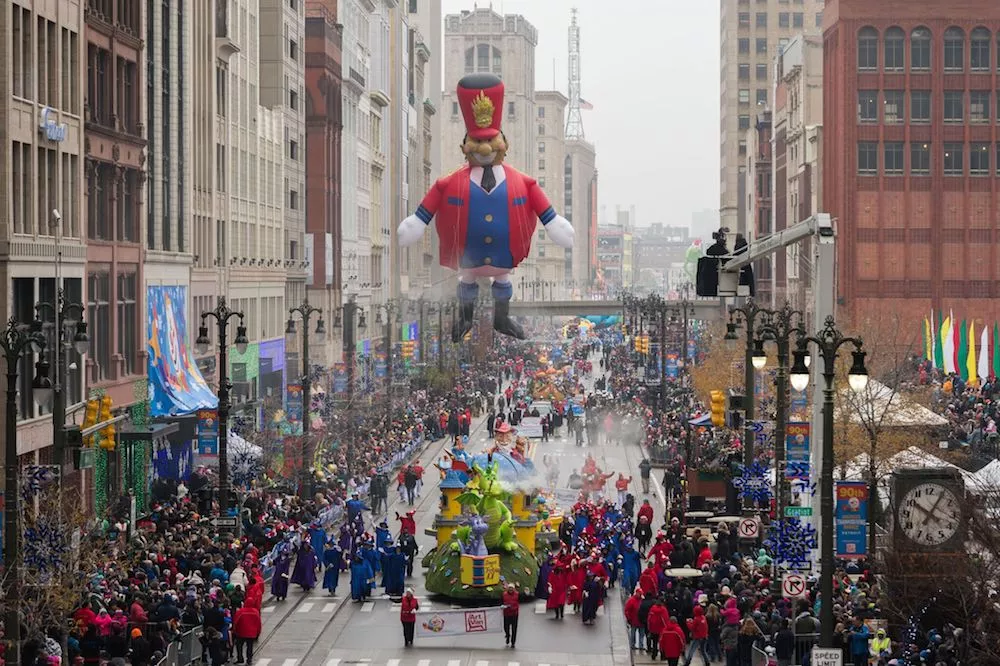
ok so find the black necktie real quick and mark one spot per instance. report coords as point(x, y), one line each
point(489, 180)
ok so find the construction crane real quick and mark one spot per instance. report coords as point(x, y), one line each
point(574, 120)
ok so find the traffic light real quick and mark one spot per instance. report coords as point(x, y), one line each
point(108, 432)
point(90, 419)
point(645, 344)
point(718, 399)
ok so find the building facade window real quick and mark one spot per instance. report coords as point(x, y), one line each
point(761, 72)
point(979, 106)
point(744, 122)
point(954, 111)
point(99, 320)
point(920, 106)
point(920, 158)
point(953, 159)
point(893, 159)
point(541, 164)
point(744, 19)
point(762, 45)
point(954, 50)
point(979, 159)
point(744, 95)
point(868, 106)
point(541, 112)
point(761, 19)
point(783, 20)
point(743, 45)
point(743, 147)
point(868, 49)
point(128, 321)
point(894, 49)
point(894, 111)
point(761, 97)
point(743, 70)
point(798, 20)
point(980, 58)
point(920, 49)
point(867, 158)
point(541, 147)
point(819, 19)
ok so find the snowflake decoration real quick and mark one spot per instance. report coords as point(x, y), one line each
point(804, 486)
point(45, 546)
point(790, 540)
point(245, 466)
point(35, 479)
point(753, 483)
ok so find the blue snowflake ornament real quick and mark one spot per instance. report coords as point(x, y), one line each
point(753, 483)
point(45, 547)
point(246, 466)
point(35, 479)
point(790, 540)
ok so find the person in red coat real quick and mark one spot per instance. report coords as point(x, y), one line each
point(649, 581)
point(635, 628)
point(511, 608)
point(660, 552)
point(408, 607)
point(246, 631)
point(645, 510)
point(672, 641)
point(704, 555)
point(577, 577)
point(698, 631)
point(486, 211)
point(655, 622)
point(557, 591)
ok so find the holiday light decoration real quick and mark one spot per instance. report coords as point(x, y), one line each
point(753, 483)
point(790, 541)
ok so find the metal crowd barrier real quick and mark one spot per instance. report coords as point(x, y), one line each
point(803, 648)
point(758, 657)
point(183, 650)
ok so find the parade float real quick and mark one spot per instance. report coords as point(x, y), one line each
point(487, 526)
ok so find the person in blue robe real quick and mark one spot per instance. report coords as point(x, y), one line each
point(393, 570)
point(580, 523)
point(382, 535)
point(542, 587)
point(611, 563)
point(333, 558)
point(361, 578)
point(631, 565)
point(372, 557)
point(304, 573)
point(317, 537)
point(593, 594)
point(279, 583)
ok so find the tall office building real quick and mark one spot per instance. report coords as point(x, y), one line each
point(42, 116)
point(752, 33)
point(580, 208)
point(550, 149)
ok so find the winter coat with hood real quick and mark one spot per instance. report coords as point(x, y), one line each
point(731, 614)
point(657, 619)
point(698, 625)
point(672, 641)
point(632, 610)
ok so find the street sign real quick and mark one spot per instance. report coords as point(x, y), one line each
point(749, 528)
point(793, 586)
point(224, 521)
point(827, 657)
point(798, 511)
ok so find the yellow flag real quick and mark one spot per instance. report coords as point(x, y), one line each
point(970, 361)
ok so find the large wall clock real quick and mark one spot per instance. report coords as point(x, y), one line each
point(929, 510)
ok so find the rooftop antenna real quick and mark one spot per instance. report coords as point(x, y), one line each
point(574, 120)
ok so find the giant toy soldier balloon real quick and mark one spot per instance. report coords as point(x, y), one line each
point(486, 210)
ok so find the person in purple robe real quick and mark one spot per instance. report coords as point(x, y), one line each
point(346, 543)
point(304, 573)
point(542, 588)
point(279, 583)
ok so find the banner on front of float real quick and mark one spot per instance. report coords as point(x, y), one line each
point(208, 432)
point(797, 451)
point(530, 426)
point(294, 409)
point(340, 378)
point(465, 622)
point(851, 519)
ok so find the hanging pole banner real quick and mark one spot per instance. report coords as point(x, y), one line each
point(851, 519)
point(465, 622)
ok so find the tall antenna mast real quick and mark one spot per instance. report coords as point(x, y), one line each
point(574, 120)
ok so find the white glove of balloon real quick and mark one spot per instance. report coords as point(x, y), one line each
point(410, 231)
point(560, 231)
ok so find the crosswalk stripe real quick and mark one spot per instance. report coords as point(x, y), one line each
point(482, 663)
point(306, 607)
point(424, 662)
point(367, 606)
point(543, 665)
point(333, 662)
point(289, 662)
point(262, 662)
point(513, 663)
point(392, 662)
point(328, 608)
point(454, 662)
point(540, 607)
point(267, 609)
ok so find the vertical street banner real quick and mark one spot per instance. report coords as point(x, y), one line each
point(672, 370)
point(208, 432)
point(851, 519)
point(340, 378)
point(692, 351)
point(465, 622)
point(294, 404)
point(798, 406)
point(381, 365)
point(797, 451)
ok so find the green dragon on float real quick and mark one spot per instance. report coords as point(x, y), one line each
point(485, 496)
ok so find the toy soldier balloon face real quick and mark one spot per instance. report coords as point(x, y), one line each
point(485, 152)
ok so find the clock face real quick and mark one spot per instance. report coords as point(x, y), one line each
point(929, 514)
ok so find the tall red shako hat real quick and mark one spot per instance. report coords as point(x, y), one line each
point(480, 96)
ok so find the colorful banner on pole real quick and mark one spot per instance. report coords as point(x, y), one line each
point(340, 378)
point(381, 365)
point(208, 432)
point(466, 622)
point(672, 370)
point(797, 451)
point(294, 408)
point(851, 519)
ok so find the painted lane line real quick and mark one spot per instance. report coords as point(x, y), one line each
point(262, 662)
point(289, 662)
point(482, 663)
point(367, 606)
point(392, 662)
point(513, 663)
point(267, 609)
point(333, 662)
point(328, 608)
point(454, 662)
point(305, 608)
point(424, 662)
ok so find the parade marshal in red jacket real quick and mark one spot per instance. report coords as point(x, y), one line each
point(486, 211)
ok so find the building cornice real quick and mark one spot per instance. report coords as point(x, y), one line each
point(380, 98)
point(226, 48)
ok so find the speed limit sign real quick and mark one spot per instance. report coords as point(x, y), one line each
point(749, 528)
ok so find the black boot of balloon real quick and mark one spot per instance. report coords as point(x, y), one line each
point(502, 322)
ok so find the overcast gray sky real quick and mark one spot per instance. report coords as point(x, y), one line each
point(651, 70)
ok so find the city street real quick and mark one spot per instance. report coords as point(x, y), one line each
point(324, 631)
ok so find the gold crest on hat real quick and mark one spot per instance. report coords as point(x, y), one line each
point(482, 110)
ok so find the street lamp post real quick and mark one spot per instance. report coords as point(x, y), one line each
point(393, 316)
point(749, 311)
point(305, 311)
point(16, 341)
point(222, 314)
point(828, 342)
point(68, 321)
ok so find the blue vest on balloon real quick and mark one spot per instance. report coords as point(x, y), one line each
point(487, 237)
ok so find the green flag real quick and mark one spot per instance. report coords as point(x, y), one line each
point(963, 352)
point(996, 350)
point(939, 342)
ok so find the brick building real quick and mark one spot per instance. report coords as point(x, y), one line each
point(910, 155)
